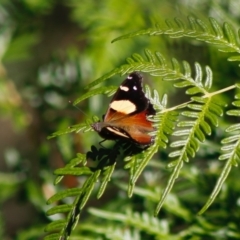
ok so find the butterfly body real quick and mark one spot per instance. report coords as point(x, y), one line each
point(126, 117)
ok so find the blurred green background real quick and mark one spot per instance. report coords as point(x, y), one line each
point(49, 51)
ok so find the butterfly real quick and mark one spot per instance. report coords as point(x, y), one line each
point(126, 117)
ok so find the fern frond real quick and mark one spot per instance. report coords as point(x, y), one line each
point(156, 65)
point(155, 98)
point(82, 127)
point(109, 90)
point(105, 164)
point(172, 204)
point(231, 153)
point(108, 231)
point(76, 171)
point(165, 123)
point(107, 173)
point(193, 126)
point(202, 113)
point(67, 225)
point(137, 163)
point(224, 37)
point(145, 221)
point(72, 192)
point(80, 159)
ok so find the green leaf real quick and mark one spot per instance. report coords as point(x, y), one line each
point(187, 69)
point(109, 90)
point(169, 186)
point(75, 128)
point(53, 236)
point(233, 127)
point(88, 187)
point(205, 127)
point(234, 58)
point(209, 77)
point(193, 90)
point(101, 79)
point(196, 107)
point(182, 84)
point(230, 139)
point(200, 135)
point(56, 225)
point(59, 209)
point(150, 56)
point(229, 33)
point(107, 173)
point(216, 28)
point(233, 113)
point(179, 143)
point(236, 103)
point(182, 132)
point(199, 99)
point(199, 74)
point(64, 194)
point(190, 114)
point(194, 143)
point(225, 156)
point(214, 108)
point(212, 118)
point(186, 124)
point(190, 152)
point(228, 147)
point(77, 171)
point(176, 65)
point(175, 154)
point(218, 186)
point(171, 77)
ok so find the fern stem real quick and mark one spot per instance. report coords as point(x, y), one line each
point(209, 95)
point(182, 105)
point(170, 184)
point(221, 180)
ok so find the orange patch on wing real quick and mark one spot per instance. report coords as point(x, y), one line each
point(138, 119)
point(137, 126)
point(140, 137)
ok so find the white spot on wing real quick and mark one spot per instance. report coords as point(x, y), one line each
point(129, 77)
point(135, 88)
point(123, 106)
point(124, 88)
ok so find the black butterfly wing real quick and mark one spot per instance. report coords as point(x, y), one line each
point(127, 113)
point(129, 98)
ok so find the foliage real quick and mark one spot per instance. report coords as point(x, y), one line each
point(50, 52)
point(184, 127)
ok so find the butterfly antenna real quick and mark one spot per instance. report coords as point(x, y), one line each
point(70, 102)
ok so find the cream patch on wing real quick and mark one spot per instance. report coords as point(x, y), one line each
point(117, 132)
point(123, 106)
point(124, 88)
